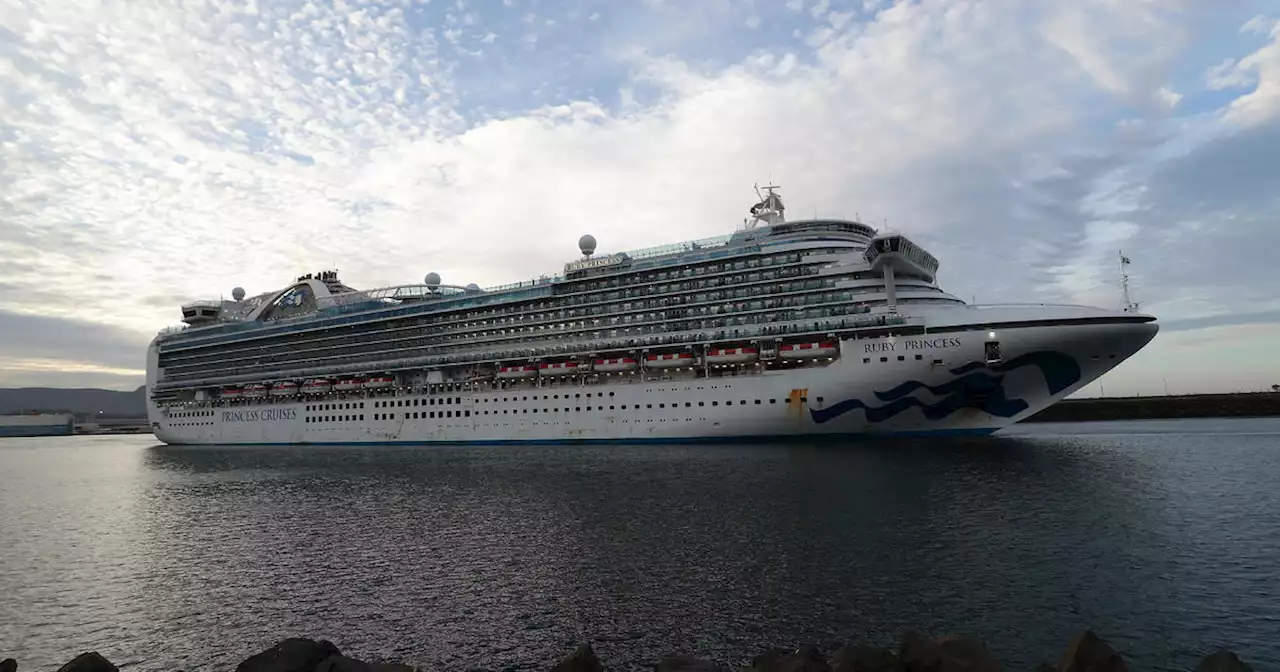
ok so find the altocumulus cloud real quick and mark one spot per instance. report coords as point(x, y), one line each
point(161, 151)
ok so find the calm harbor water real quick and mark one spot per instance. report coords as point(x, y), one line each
point(1162, 536)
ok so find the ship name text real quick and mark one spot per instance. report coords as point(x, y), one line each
point(913, 344)
point(597, 262)
point(260, 415)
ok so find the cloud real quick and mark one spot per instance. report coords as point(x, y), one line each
point(38, 348)
point(165, 154)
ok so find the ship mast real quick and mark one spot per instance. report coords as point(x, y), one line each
point(769, 209)
point(1127, 303)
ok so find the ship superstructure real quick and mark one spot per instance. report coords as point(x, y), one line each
point(780, 329)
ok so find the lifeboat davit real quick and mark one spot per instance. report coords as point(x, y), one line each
point(255, 391)
point(510, 372)
point(807, 350)
point(318, 386)
point(232, 392)
point(618, 365)
point(379, 383)
point(349, 384)
point(286, 388)
point(668, 360)
point(732, 355)
point(558, 368)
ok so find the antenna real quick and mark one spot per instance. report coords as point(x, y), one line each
point(1127, 303)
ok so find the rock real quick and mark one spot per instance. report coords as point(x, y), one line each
point(89, 662)
point(291, 655)
point(1223, 660)
point(683, 663)
point(804, 659)
point(1090, 653)
point(966, 653)
point(341, 663)
point(919, 653)
point(863, 658)
point(947, 654)
point(8, 665)
point(582, 660)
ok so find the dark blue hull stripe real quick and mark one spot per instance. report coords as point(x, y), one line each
point(754, 438)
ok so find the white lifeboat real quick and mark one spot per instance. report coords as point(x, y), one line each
point(558, 368)
point(668, 360)
point(349, 384)
point(286, 388)
point(510, 372)
point(731, 355)
point(232, 392)
point(617, 365)
point(255, 391)
point(379, 382)
point(317, 386)
point(807, 350)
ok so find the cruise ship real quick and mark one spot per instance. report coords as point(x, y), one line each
point(783, 329)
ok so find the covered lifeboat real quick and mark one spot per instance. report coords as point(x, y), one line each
point(616, 365)
point(284, 388)
point(349, 384)
point(517, 372)
point(317, 386)
point(255, 391)
point(555, 369)
point(808, 350)
point(670, 360)
point(379, 382)
point(732, 355)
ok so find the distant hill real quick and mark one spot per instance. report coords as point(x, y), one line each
point(85, 402)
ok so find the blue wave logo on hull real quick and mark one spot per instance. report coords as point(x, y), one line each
point(970, 389)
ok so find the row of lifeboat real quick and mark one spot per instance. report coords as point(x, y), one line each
point(316, 386)
point(673, 360)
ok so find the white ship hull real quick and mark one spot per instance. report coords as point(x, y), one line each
point(928, 385)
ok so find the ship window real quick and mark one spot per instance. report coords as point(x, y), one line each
point(700, 403)
point(757, 402)
point(866, 360)
point(577, 408)
point(467, 413)
point(902, 358)
point(819, 400)
point(715, 403)
point(457, 400)
point(884, 359)
point(919, 357)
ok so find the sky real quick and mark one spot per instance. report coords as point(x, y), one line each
point(154, 153)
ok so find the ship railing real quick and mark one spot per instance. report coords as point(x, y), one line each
point(673, 248)
point(579, 348)
point(989, 306)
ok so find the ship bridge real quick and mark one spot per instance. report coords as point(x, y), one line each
point(895, 255)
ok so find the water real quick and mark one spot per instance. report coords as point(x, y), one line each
point(1162, 536)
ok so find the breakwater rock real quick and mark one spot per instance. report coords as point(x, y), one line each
point(915, 653)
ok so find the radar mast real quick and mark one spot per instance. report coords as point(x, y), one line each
point(769, 209)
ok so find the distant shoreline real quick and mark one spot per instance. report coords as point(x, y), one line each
point(1171, 407)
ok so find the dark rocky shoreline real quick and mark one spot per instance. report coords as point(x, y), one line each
point(915, 653)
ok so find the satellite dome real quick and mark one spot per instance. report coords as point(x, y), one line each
point(587, 244)
point(238, 293)
point(473, 287)
point(432, 279)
